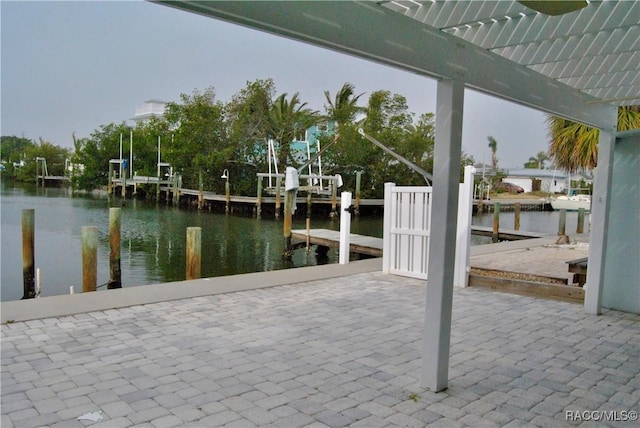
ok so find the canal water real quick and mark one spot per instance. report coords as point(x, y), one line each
point(154, 237)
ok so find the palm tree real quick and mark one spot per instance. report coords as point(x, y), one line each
point(574, 146)
point(493, 145)
point(539, 159)
point(343, 108)
point(286, 119)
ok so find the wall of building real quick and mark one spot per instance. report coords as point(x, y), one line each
point(621, 287)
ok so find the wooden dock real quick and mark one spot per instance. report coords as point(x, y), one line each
point(372, 246)
point(360, 244)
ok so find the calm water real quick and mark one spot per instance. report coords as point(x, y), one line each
point(154, 236)
point(153, 240)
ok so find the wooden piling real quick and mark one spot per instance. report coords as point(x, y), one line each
point(562, 223)
point(334, 200)
point(28, 253)
point(227, 196)
point(89, 258)
point(288, 216)
point(259, 198)
point(194, 257)
point(200, 193)
point(358, 183)
point(115, 272)
point(516, 220)
point(278, 201)
point(496, 222)
point(580, 227)
point(110, 180)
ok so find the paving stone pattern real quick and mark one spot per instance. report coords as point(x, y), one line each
point(339, 352)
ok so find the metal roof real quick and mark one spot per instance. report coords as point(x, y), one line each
point(578, 65)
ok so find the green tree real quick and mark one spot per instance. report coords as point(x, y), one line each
point(343, 108)
point(288, 118)
point(537, 161)
point(574, 147)
point(54, 155)
point(247, 116)
point(493, 145)
point(199, 143)
point(13, 150)
point(95, 153)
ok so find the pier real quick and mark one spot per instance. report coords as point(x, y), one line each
point(372, 246)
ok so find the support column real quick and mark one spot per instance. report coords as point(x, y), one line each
point(442, 244)
point(600, 202)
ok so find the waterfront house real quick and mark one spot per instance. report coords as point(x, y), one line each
point(533, 179)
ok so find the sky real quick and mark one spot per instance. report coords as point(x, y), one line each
point(73, 66)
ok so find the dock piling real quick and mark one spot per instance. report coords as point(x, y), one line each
point(259, 198)
point(580, 226)
point(358, 183)
point(562, 223)
point(194, 257)
point(516, 220)
point(89, 258)
point(28, 253)
point(289, 196)
point(278, 197)
point(496, 222)
point(115, 272)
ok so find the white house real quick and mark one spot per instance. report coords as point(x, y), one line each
point(546, 180)
point(148, 110)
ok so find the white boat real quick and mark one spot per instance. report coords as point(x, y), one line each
point(572, 203)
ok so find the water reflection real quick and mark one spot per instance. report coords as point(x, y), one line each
point(154, 236)
point(153, 240)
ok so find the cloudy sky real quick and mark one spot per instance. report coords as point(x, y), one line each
point(73, 66)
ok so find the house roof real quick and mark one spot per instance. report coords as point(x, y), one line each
point(537, 173)
point(578, 65)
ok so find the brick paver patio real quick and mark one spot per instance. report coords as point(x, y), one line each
point(337, 352)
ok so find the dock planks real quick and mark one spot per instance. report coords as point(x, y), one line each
point(331, 238)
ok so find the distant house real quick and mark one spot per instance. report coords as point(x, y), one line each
point(532, 179)
point(306, 143)
point(150, 108)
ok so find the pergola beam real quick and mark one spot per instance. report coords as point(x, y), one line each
point(370, 31)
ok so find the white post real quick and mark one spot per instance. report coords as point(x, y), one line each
point(269, 162)
point(38, 288)
point(465, 210)
point(345, 227)
point(442, 244)
point(386, 227)
point(131, 154)
point(120, 170)
point(600, 215)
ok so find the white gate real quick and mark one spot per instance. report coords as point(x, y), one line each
point(407, 222)
point(407, 228)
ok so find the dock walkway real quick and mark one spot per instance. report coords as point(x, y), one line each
point(372, 246)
